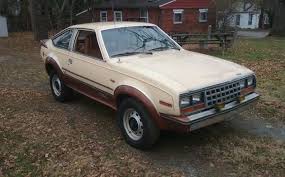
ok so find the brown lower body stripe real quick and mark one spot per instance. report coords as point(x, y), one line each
point(87, 79)
point(90, 91)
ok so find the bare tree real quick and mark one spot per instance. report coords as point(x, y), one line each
point(60, 6)
point(71, 11)
point(38, 12)
point(278, 17)
point(225, 10)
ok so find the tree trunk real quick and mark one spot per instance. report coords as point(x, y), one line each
point(278, 19)
point(261, 18)
point(71, 11)
point(38, 12)
point(60, 13)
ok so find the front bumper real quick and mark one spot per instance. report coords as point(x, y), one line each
point(212, 115)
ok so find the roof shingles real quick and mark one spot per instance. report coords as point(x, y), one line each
point(131, 3)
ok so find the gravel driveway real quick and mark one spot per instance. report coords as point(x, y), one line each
point(41, 137)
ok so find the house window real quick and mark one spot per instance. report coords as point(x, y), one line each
point(103, 16)
point(238, 20)
point(203, 15)
point(177, 16)
point(250, 19)
point(118, 16)
point(144, 15)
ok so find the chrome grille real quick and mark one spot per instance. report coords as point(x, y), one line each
point(222, 94)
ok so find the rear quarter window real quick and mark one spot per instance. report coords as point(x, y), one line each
point(63, 40)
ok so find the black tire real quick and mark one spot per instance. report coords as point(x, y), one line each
point(65, 92)
point(150, 133)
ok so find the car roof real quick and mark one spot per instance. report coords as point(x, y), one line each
point(110, 25)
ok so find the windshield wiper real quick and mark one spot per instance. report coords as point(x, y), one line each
point(163, 48)
point(130, 53)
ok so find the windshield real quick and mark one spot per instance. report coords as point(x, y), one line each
point(135, 40)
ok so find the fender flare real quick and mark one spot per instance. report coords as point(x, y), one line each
point(54, 64)
point(140, 96)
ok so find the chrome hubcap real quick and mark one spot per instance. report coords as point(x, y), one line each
point(56, 85)
point(133, 124)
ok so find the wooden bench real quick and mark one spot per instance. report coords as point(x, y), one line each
point(224, 40)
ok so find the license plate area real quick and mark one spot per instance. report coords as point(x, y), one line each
point(219, 106)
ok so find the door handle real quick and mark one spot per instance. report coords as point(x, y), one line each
point(69, 61)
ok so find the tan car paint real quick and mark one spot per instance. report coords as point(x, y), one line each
point(162, 76)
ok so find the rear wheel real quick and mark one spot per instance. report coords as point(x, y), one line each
point(59, 90)
point(136, 125)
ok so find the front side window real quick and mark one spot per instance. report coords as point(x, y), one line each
point(177, 16)
point(103, 16)
point(144, 15)
point(63, 40)
point(86, 43)
point(118, 16)
point(203, 15)
point(133, 40)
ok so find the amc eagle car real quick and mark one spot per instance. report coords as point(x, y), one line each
point(143, 74)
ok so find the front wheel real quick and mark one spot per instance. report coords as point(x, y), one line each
point(59, 90)
point(137, 127)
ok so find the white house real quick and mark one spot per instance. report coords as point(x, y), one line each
point(3, 27)
point(246, 15)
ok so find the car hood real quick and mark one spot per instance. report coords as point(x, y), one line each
point(183, 70)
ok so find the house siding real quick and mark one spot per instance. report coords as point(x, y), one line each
point(244, 18)
point(239, 9)
point(163, 16)
point(154, 16)
point(190, 21)
point(3, 27)
point(128, 14)
point(188, 4)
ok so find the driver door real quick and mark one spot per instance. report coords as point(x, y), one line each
point(86, 66)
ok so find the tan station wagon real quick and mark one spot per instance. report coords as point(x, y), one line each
point(152, 82)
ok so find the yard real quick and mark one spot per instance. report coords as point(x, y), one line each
point(41, 137)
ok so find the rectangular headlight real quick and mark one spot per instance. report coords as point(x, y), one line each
point(190, 100)
point(250, 81)
point(196, 98)
point(185, 101)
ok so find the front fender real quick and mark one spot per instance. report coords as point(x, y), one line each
point(51, 62)
point(142, 96)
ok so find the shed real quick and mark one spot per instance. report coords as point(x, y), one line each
point(3, 27)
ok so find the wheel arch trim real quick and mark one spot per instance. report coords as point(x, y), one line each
point(143, 98)
point(50, 61)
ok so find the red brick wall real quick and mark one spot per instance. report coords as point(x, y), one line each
point(110, 15)
point(153, 13)
point(190, 22)
point(154, 16)
point(164, 19)
point(130, 13)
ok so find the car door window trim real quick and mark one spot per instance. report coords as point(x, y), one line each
point(74, 43)
point(61, 33)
